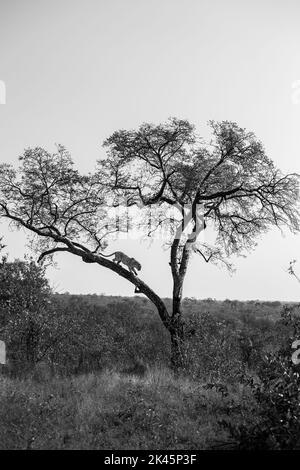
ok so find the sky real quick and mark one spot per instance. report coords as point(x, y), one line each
point(75, 71)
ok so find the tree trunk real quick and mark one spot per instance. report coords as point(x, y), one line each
point(176, 329)
point(177, 350)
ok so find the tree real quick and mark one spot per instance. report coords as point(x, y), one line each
point(227, 184)
point(34, 323)
point(25, 310)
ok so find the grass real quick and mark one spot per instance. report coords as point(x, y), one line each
point(112, 411)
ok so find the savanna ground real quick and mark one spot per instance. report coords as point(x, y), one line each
point(105, 383)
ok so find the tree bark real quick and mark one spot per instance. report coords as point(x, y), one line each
point(178, 358)
point(176, 329)
point(178, 353)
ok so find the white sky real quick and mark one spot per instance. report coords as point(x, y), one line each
point(75, 71)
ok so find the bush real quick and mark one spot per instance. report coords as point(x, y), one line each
point(277, 393)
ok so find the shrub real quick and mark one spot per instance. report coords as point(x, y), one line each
point(277, 393)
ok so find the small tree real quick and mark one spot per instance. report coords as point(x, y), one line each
point(156, 166)
point(32, 322)
point(24, 307)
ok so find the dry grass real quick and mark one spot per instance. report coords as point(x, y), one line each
point(116, 411)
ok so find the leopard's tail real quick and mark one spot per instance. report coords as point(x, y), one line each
point(107, 256)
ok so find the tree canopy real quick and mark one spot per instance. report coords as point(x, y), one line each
point(242, 191)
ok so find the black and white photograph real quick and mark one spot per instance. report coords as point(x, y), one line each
point(150, 228)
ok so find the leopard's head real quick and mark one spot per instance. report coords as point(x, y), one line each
point(138, 266)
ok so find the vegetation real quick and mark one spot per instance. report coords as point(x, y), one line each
point(114, 411)
point(101, 379)
point(93, 372)
point(227, 185)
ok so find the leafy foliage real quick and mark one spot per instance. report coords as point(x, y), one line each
point(277, 392)
point(30, 321)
